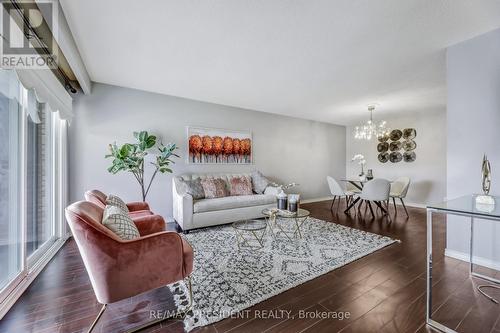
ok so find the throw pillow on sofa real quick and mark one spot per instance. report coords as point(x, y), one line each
point(194, 188)
point(259, 182)
point(119, 222)
point(241, 186)
point(114, 200)
point(214, 188)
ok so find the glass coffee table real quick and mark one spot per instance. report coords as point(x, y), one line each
point(250, 231)
point(298, 218)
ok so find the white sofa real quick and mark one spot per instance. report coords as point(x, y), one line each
point(192, 214)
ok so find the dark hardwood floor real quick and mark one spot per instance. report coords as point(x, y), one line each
point(383, 292)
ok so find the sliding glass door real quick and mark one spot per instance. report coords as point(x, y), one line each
point(31, 196)
point(11, 246)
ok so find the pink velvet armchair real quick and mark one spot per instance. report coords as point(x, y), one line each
point(136, 209)
point(120, 269)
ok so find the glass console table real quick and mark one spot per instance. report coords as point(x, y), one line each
point(463, 206)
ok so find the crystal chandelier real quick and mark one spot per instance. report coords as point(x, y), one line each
point(370, 128)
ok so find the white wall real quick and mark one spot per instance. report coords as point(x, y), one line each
point(285, 149)
point(473, 79)
point(427, 172)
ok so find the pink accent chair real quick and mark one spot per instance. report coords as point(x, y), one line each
point(120, 269)
point(136, 209)
point(139, 212)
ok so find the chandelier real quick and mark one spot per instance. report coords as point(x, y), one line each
point(370, 128)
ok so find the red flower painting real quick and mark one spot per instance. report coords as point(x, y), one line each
point(219, 146)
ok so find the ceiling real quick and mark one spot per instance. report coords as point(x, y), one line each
point(314, 59)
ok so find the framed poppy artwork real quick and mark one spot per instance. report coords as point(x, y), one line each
point(219, 146)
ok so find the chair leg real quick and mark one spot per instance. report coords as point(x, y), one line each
point(371, 209)
point(178, 315)
point(340, 202)
point(394, 202)
point(97, 318)
point(404, 206)
point(190, 293)
point(333, 201)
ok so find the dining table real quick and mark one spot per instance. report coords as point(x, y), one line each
point(356, 182)
point(359, 184)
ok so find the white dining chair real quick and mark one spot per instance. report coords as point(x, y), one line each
point(377, 191)
point(337, 191)
point(399, 189)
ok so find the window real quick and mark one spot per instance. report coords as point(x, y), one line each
point(32, 186)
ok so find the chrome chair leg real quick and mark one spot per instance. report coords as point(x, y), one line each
point(97, 318)
point(179, 315)
point(190, 293)
point(154, 322)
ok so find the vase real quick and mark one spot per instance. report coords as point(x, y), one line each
point(282, 201)
point(293, 202)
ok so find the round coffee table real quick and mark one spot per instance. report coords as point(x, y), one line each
point(252, 228)
point(298, 217)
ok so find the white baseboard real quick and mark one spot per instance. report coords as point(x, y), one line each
point(477, 260)
point(315, 200)
point(412, 204)
point(409, 204)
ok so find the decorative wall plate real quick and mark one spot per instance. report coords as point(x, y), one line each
point(383, 157)
point(395, 157)
point(395, 145)
point(409, 145)
point(395, 135)
point(409, 156)
point(383, 147)
point(383, 138)
point(409, 133)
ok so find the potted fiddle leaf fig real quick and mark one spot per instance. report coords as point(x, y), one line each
point(130, 158)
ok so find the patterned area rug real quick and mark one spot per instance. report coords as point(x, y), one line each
point(227, 279)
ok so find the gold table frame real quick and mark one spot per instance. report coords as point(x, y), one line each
point(299, 219)
point(243, 241)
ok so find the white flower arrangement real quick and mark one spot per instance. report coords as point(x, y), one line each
point(361, 161)
point(360, 158)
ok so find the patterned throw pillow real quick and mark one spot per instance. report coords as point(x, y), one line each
point(194, 188)
point(214, 188)
point(259, 182)
point(113, 200)
point(241, 186)
point(119, 222)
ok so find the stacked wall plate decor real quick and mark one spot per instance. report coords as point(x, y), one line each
point(397, 146)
